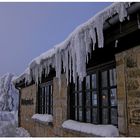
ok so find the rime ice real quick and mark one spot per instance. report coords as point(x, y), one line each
point(8, 93)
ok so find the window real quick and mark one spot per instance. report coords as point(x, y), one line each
point(95, 99)
point(45, 98)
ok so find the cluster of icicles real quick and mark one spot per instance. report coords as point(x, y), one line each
point(74, 51)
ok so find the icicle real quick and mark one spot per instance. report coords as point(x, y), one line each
point(75, 55)
point(138, 21)
point(116, 43)
point(99, 28)
point(80, 55)
point(74, 60)
point(121, 10)
point(58, 66)
point(67, 65)
point(87, 40)
point(70, 68)
point(93, 36)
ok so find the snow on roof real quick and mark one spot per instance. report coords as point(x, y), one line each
point(43, 117)
point(74, 51)
point(97, 130)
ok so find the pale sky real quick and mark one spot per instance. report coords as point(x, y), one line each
point(29, 29)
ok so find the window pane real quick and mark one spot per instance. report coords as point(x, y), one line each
point(51, 111)
point(42, 100)
point(75, 99)
point(80, 98)
point(88, 115)
point(104, 78)
point(113, 97)
point(105, 116)
point(51, 100)
point(47, 94)
point(75, 87)
point(88, 82)
point(80, 114)
point(104, 98)
point(94, 98)
point(88, 99)
point(45, 97)
point(75, 113)
point(112, 75)
point(80, 86)
point(114, 116)
point(94, 115)
point(51, 89)
point(93, 81)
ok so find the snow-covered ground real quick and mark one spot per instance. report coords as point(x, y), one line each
point(8, 129)
point(9, 100)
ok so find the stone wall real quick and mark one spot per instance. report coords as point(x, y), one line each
point(128, 89)
point(60, 112)
point(27, 109)
point(128, 92)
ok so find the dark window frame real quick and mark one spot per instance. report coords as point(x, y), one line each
point(91, 71)
point(45, 98)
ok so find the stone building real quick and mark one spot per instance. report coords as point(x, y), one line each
point(89, 85)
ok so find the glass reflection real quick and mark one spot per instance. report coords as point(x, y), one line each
point(114, 116)
point(94, 98)
point(105, 116)
point(113, 97)
point(88, 82)
point(93, 81)
point(104, 97)
point(88, 99)
point(112, 75)
point(94, 115)
point(104, 78)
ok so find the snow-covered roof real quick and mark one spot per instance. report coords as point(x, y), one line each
point(74, 51)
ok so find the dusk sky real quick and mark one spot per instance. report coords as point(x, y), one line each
point(29, 29)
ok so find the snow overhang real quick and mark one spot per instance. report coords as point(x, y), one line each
point(77, 46)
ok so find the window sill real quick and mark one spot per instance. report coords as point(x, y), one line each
point(43, 123)
point(95, 130)
point(45, 119)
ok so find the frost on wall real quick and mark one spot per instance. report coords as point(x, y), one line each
point(8, 94)
point(74, 51)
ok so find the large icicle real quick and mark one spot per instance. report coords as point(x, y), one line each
point(73, 52)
